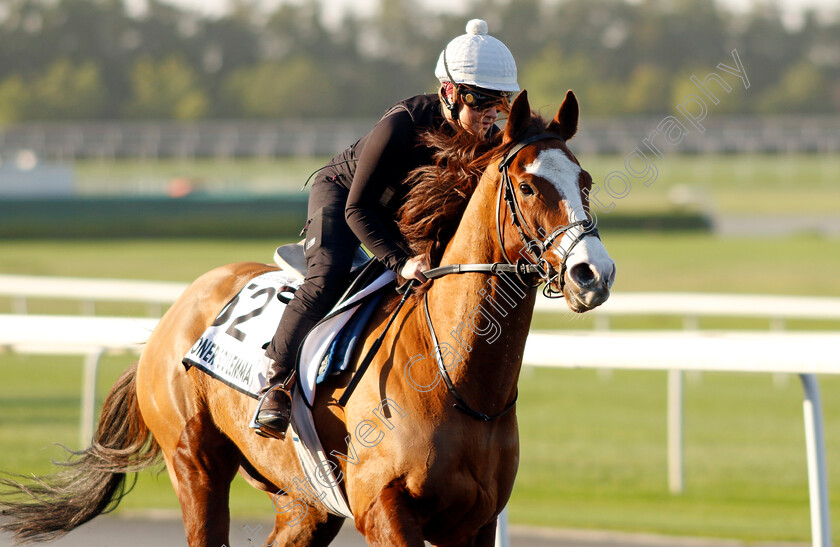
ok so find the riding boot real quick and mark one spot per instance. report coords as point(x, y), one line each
point(328, 262)
point(275, 409)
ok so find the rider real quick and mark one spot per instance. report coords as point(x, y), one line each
point(355, 197)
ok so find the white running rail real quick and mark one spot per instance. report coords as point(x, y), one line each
point(22, 288)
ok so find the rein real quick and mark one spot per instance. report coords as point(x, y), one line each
point(460, 403)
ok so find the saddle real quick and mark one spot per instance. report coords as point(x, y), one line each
point(364, 270)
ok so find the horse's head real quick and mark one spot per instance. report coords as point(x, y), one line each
point(547, 219)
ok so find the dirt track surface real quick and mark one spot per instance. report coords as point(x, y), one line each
point(110, 531)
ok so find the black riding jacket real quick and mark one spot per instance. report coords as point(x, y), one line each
point(374, 170)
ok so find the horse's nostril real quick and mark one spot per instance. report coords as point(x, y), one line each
point(582, 275)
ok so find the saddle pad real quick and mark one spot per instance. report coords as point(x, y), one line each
point(337, 358)
point(319, 340)
point(311, 455)
point(230, 349)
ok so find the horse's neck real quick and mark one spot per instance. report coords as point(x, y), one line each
point(482, 318)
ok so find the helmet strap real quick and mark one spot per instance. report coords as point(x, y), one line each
point(444, 99)
point(451, 106)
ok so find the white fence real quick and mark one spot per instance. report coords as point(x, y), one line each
point(155, 294)
point(803, 353)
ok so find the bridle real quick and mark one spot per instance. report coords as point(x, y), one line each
point(538, 266)
point(525, 271)
point(535, 248)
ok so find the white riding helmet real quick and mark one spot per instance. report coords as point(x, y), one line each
point(477, 59)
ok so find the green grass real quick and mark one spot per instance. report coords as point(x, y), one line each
point(593, 444)
point(739, 184)
point(217, 175)
point(745, 184)
point(802, 265)
point(163, 260)
point(594, 456)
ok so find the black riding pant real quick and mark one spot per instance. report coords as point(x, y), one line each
point(330, 246)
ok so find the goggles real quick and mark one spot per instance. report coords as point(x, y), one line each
point(480, 101)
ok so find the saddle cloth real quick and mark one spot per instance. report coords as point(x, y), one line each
point(230, 350)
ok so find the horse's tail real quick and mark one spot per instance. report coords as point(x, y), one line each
point(92, 482)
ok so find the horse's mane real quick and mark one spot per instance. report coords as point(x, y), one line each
point(439, 192)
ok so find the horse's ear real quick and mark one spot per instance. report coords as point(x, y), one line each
point(565, 123)
point(519, 118)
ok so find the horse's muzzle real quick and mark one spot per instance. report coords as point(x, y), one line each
point(586, 287)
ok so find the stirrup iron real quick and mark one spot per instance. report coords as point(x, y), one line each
point(275, 431)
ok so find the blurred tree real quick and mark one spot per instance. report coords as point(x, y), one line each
point(291, 89)
point(690, 32)
point(68, 91)
point(802, 89)
point(647, 91)
point(221, 47)
point(405, 51)
point(522, 25)
point(89, 31)
point(64, 91)
point(166, 89)
point(621, 57)
point(767, 48)
point(737, 100)
point(551, 74)
point(21, 27)
point(14, 100)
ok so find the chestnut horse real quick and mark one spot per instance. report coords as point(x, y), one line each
point(413, 465)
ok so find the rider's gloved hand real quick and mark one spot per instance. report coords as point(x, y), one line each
point(414, 268)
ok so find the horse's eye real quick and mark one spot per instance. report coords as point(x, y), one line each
point(526, 189)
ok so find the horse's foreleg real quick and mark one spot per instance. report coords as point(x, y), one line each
point(301, 524)
point(204, 463)
point(390, 521)
point(485, 537)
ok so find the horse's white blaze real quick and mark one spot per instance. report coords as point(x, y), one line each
point(555, 166)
